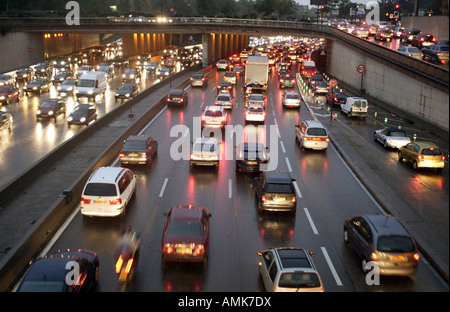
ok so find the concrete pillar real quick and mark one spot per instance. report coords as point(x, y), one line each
point(208, 48)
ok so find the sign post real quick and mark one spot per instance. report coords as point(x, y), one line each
point(333, 84)
point(361, 69)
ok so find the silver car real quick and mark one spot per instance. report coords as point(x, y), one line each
point(391, 137)
point(214, 116)
point(291, 99)
point(224, 100)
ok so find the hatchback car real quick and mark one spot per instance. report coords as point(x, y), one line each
point(230, 76)
point(82, 114)
point(49, 273)
point(131, 75)
point(423, 40)
point(152, 67)
point(255, 98)
point(313, 79)
point(37, 85)
point(312, 134)
point(51, 108)
point(286, 80)
point(6, 80)
point(126, 91)
point(336, 98)
point(289, 269)
point(199, 80)
point(43, 69)
point(138, 149)
point(222, 65)
point(391, 137)
point(61, 76)
point(255, 113)
point(214, 116)
point(291, 99)
point(205, 152)
point(178, 97)
point(24, 74)
point(436, 53)
point(164, 72)
point(8, 94)
point(67, 87)
point(225, 87)
point(107, 192)
point(422, 155)
point(321, 87)
point(384, 240)
point(186, 234)
point(275, 191)
point(251, 157)
point(410, 51)
point(224, 100)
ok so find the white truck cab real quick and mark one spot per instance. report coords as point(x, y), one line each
point(91, 84)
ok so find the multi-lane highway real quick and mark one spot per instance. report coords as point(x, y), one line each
point(327, 193)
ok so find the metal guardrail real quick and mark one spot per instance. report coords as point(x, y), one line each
point(257, 26)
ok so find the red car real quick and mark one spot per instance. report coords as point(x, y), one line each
point(186, 234)
point(9, 93)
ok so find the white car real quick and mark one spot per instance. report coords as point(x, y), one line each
point(214, 116)
point(224, 100)
point(255, 112)
point(289, 270)
point(222, 65)
point(312, 134)
point(107, 192)
point(410, 51)
point(391, 137)
point(205, 152)
point(83, 70)
point(291, 99)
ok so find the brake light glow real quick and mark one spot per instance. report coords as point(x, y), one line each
point(85, 201)
point(263, 198)
point(374, 256)
point(293, 200)
point(119, 264)
point(129, 265)
point(117, 201)
point(416, 257)
point(121, 155)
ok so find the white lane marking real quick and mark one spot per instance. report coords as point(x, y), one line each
point(163, 187)
point(288, 164)
point(230, 189)
point(311, 222)
point(331, 266)
point(297, 190)
point(282, 147)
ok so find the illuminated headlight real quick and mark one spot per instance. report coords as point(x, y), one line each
point(25, 87)
point(69, 89)
point(70, 118)
point(127, 95)
point(77, 91)
point(2, 97)
point(117, 94)
point(59, 88)
point(50, 113)
point(158, 72)
point(90, 92)
point(83, 119)
point(132, 76)
point(61, 79)
point(166, 73)
point(38, 112)
point(124, 76)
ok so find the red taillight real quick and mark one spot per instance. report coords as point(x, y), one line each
point(117, 201)
point(129, 265)
point(121, 155)
point(85, 201)
point(293, 200)
point(416, 257)
point(420, 157)
point(422, 39)
point(119, 264)
point(281, 80)
point(263, 198)
point(434, 39)
point(293, 80)
point(203, 118)
point(443, 158)
point(374, 256)
point(223, 119)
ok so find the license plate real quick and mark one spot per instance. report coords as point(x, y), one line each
point(252, 162)
point(213, 120)
point(99, 201)
point(398, 258)
point(133, 154)
point(184, 251)
point(175, 99)
point(279, 199)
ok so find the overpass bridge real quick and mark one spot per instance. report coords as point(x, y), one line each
point(412, 86)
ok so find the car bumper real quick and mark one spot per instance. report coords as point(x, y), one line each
point(277, 206)
point(292, 104)
point(430, 164)
point(197, 84)
point(397, 270)
point(358, 114)
point(249, 166)
point(256, 118)
point(396, 144)
point(102, 211)
point(183, 258)
point(134, 160)
point(203, 162)
point(225, 105)
point(315, 145)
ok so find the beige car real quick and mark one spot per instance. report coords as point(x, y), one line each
point(422, 155)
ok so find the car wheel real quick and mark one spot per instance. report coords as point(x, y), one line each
point(415, 165)
point(433, 59)
point(346, 236)
point(375, 137)
point(385, 144)
point(400, 156)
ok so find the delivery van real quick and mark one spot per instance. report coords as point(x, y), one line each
point(91, 84)
point(308, 69)
point(355, 106)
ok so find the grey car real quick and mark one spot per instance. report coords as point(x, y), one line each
point(382, 239)
point(275, 191)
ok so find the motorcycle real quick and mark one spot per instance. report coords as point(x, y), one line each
point(127, 256)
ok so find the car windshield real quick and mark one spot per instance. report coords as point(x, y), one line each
point(431, 151)
point(398, 134)
point(185, 228)
point(444, 48)
point(100, 189)
point(69, 82)
point(126, 88)
point(4, 90)
point(47, 105)
point(88, 83)
point(255, 109)
point(82, 68)
point(278, 188)
point(299, 280)
point(317, 131)
point(413, 49)
point(42, 286)
point(80, 110)
point(130, 71)
point(395, 243)
point(135, 145)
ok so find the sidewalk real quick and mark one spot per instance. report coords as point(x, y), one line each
point(362, 160)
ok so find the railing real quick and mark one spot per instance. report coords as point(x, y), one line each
point(430, 71)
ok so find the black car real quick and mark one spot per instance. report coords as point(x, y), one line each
point(138, 149)
point(121, 62)
point(436, 53)
point(337, 98)
point(131, 74)
point(177, 96)
point(225, 87)
point(61, 62)
point(37, 85)
point(63, 271)
point(51, 108)
point(126, 91)
point(82, 114)
point(251, 157)
point(24, 75)
point(62, 75)
point(275, 191)
point(313, 79)
point(43, 69)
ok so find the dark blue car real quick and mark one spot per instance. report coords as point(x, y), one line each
point(56, 273)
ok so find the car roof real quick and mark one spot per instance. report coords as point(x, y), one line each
point(106, 174)
point(252, 146)
point(214, 107)
point(177, 91)
point(186, 212)
point(314, 123)
point(386, 225)
point(425, 144)
point(277, 176)
point(293, 258)
point(140, 137)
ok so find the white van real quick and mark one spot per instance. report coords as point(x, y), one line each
point(91, 84)
point(355, 106)
point(107, 192)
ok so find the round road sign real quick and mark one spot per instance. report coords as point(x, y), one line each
point(361, 68)
point(170, 61)
point(333, 83)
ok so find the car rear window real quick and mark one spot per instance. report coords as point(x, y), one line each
point(362, 104)
point(135, 145)
point(279, 188)
point(292, 96)
point(211, 113)
point(317, 131)
point(444, 48)
point(100, 189)
point(395, 243)
point(185, 228)
point(431, 151)
point(299, 280)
